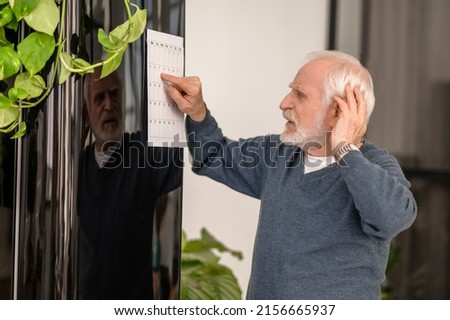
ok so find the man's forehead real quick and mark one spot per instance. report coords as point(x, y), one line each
point(104, 85)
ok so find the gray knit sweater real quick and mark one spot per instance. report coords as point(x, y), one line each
point(323, 235)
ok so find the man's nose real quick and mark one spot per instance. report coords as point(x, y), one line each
point(108, 103)
point(286, 103)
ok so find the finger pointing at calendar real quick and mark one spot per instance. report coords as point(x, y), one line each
point(186, 92)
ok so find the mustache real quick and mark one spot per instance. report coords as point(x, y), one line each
point(289, 116)
point(109, 117)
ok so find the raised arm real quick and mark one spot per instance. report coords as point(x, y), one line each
point(374, 178)
point(236, 164)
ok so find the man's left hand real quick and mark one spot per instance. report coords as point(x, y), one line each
point(351, 124)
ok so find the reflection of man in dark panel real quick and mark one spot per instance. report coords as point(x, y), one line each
point(120, 180)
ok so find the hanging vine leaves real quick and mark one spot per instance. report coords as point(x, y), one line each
point(22, 8)
point(3, 41)
point(4, 102)
point(83, 65)
point(130, 30)
point(33, 85)
point(13, 23)
point(112, 63)
point(9, 62)
point(66, 64)
point(34, 52)
point(22, 130)
point(7, 15)
point(17, 93)
point(116, 43)
point(44, 18)
point(8, 116)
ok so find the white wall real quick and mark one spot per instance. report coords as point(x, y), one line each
point(246, 52)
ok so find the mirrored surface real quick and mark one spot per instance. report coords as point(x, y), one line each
point(42, 230)
point(129, 195)
point(6, 214)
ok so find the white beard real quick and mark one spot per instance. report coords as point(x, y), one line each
point(314, 137)
point(108, 137)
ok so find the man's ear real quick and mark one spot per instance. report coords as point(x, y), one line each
point(332, 115)
point(334, 109)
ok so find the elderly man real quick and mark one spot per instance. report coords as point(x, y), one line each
point(330, 201)
point(120, 179)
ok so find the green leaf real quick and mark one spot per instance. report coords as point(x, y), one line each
point(202, 283)
point(3, 40)
point(206, 257)
point(7, 15)
point(130, 30)
point(4, 102)
point(111, 65)
point(208, 242)
point(4, 1)
point(33, 86)
point(9, 62)
point(44, 18)
point(104, 40)
point(38, 81)
point(21, 131)
point(202, 277)
point(212, 243)
point(22, 8)
point(79, 63)
point(8, 116)
point(13, 24)
point(119, 34)
point(64, 73)
point(35, 50)
point(137, 25)
point(17, 93)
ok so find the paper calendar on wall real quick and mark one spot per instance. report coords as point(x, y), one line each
point(165, 122)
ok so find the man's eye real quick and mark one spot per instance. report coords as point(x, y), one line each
point(99, 98)
point(300, 94)
point(114, 94)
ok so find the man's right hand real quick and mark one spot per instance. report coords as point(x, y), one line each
point(186, 92)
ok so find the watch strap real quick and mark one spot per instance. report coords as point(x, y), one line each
point(344, 149)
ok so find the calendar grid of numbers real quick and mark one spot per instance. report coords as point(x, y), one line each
point(165, 122)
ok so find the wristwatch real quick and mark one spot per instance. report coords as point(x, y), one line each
point(346, 148)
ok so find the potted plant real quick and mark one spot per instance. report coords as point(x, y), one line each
point(202, 276)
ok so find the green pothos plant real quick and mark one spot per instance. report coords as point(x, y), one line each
point(202, 276)
point(23, 82)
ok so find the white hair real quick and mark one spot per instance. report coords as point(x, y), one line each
point(345, 69)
